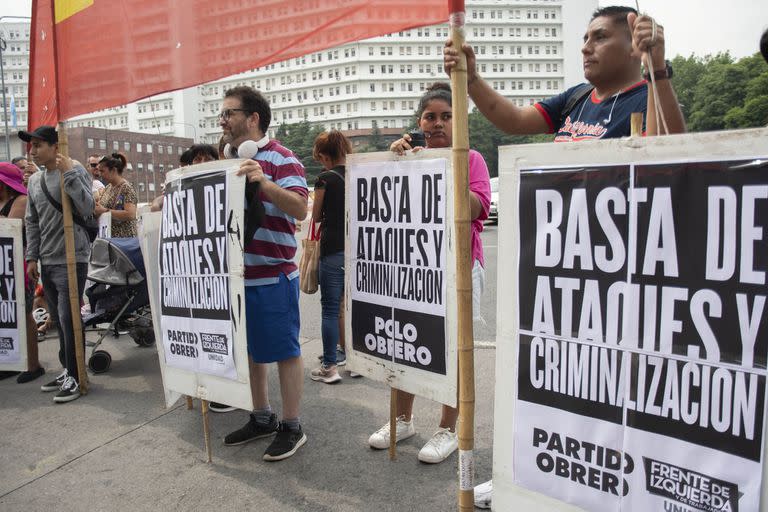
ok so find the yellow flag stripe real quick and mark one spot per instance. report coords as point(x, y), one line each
point(66, 8)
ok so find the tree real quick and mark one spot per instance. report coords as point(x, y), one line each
point(485, 138)
point(300, 138)
point(376, 142)
point(717, 93)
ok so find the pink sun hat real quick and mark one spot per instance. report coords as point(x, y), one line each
point(13, 177)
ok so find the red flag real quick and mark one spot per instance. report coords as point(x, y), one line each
point(42, 70)
point(111, 53)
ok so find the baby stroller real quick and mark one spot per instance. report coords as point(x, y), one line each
point(118, 294)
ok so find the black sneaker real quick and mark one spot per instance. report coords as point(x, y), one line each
point(70, 390)
point(55, 384)
point(252, 431)
point(217, 407)
point(341, 357)
point(285, 443)
point(25, 377)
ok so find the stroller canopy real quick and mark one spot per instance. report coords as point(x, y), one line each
point(116, 261)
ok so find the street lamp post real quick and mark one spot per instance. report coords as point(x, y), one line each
point(2, 84)
point(5, 103)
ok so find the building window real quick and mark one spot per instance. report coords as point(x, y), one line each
point(90, 144)
point(138, 147)
point(127, 146)
point(102, 144)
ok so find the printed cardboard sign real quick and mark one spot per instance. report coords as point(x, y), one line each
point(641, 348)
point(203, 352)
point(105, 225)
point(13, 347)
point(195, 303)
point(401, 274)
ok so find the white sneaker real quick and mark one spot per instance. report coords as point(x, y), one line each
point(443, 443)
point(380, 439)
point(327, 374)
point(483, 494)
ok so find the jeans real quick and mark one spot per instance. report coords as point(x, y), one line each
point(331, 291)
point(56, 287)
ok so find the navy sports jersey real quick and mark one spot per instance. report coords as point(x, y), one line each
point(592, 119)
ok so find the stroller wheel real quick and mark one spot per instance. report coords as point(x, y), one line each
point(99, 361)
point(143, 336)
point(144, 341)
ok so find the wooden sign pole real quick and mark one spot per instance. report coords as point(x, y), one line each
point(206, 429)
point(392, 424)
point(69, 246)
point(463, 223)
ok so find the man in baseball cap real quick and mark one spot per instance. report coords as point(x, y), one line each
point(43, 221)
point(44, 133)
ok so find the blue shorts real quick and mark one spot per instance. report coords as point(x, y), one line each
point(272, 320)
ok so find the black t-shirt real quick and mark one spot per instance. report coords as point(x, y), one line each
point(332, 231)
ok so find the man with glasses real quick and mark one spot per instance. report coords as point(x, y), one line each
point(271, 276)
point(93, 168)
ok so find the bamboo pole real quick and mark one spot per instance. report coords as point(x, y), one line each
point(392, 423)
point(69, 246)
point(206, 429)
point(463, 223)
point(636, 124)
point(190, 405)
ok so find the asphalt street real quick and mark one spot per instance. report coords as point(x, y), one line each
point(119, 448)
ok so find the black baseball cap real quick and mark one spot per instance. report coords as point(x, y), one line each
point(45, 133)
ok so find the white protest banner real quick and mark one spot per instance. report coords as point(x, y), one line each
point(198, 298)
point(632, 343)
point(13, 322)
point(105, 225)
point(401, 278)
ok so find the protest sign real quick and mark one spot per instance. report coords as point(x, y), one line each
point(402, 272)
point(105, 225)
point(13, 323)
point(196, 283)
point(634, 328)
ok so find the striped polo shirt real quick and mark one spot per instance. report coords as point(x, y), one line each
point(272, 250)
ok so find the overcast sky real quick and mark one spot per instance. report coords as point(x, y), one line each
point(700, 27)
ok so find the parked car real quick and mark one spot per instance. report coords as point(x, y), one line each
point(493, 212)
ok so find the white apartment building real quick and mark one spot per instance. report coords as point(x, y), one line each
point(526, 49)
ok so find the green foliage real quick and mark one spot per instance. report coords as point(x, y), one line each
point(299, 138)
point(718, 93)
point(376, 142)
point(485, 138)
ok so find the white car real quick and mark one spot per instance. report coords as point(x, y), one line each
point(493, 212)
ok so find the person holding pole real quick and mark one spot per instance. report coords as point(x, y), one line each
point(434, 115)
point(43, 221)
point(615, 44)
point(617, 41)
point(275, 177)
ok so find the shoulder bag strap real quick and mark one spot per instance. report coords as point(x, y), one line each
point(75, 217)
point(576, 97)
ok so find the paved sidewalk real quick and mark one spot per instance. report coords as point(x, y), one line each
point(118, 448)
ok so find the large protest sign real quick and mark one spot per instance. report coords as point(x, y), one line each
point(194, 253)
point(401, 274)
point(13, 323)
point(632, 346)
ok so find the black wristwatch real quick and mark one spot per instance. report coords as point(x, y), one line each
point(659, 74)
